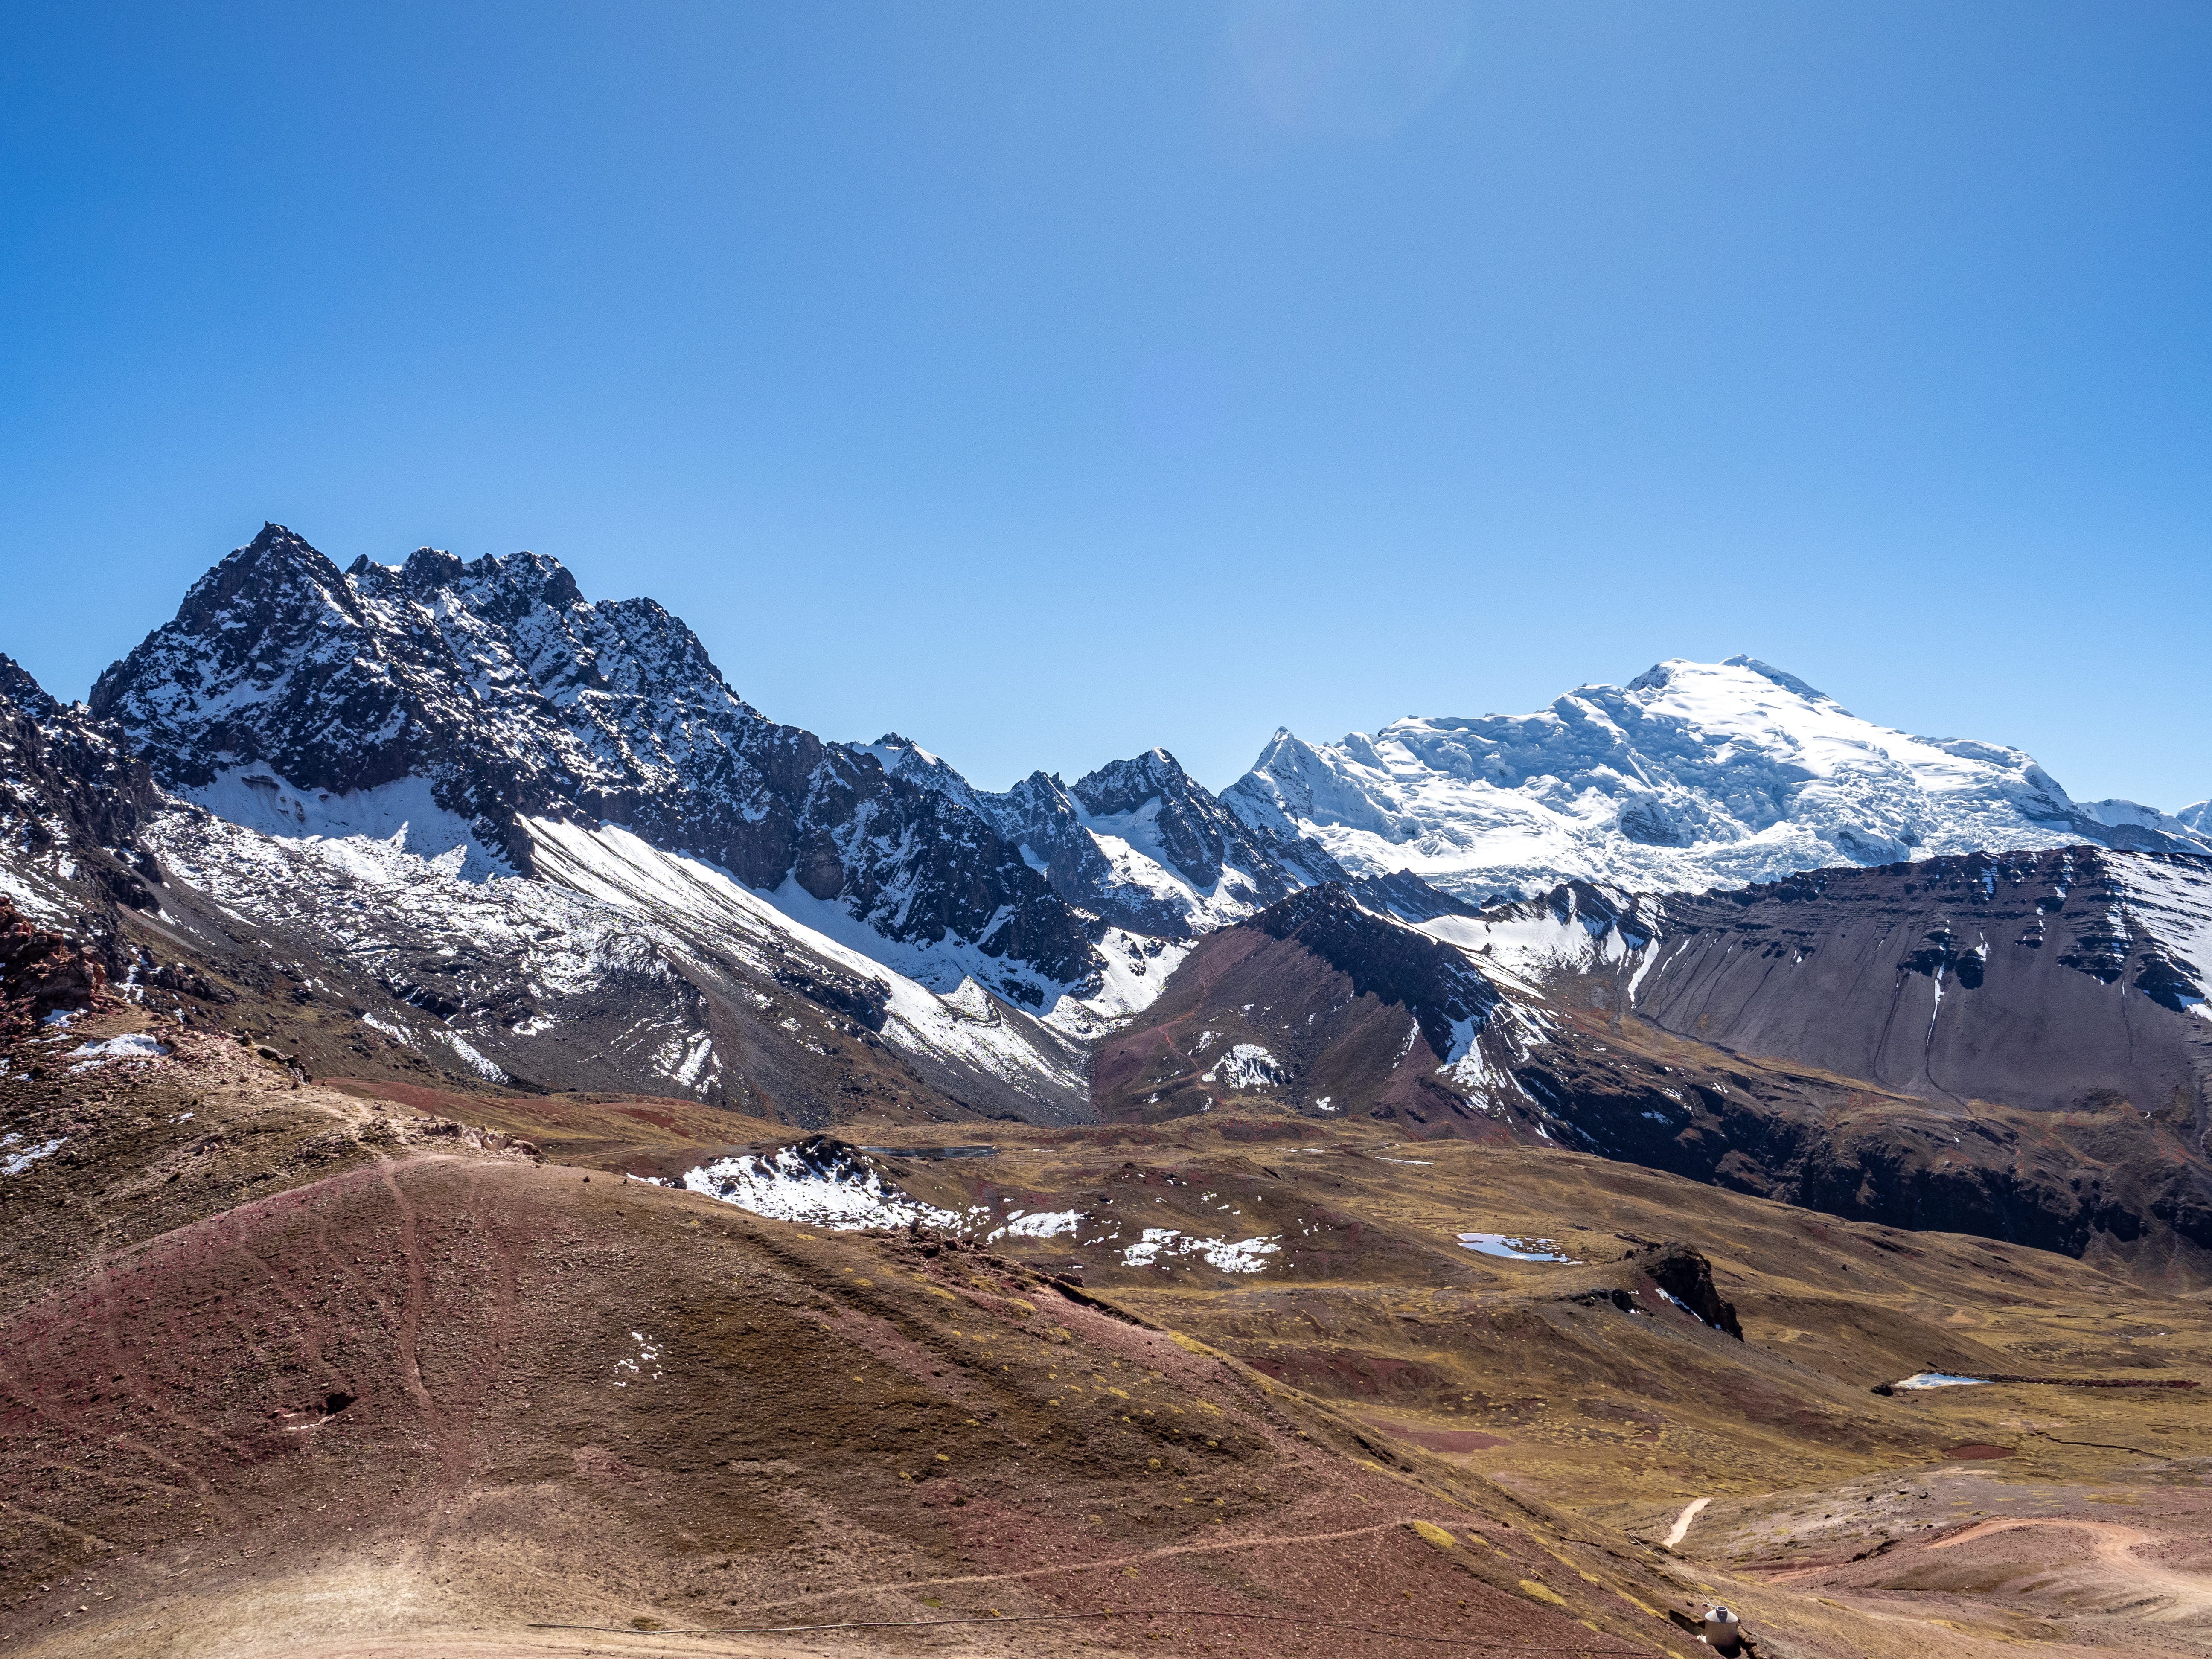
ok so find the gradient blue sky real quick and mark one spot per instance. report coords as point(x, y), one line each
point(1045, 381)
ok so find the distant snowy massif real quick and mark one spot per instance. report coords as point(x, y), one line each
point(546, 839)
point(1691, 776)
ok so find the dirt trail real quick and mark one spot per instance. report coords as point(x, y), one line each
point(1225, 1545)
point(1681, 1528)
point(2190, 1592)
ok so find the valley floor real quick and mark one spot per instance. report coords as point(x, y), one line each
point(294, 1368)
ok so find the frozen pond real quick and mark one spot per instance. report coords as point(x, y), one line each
point(1515, 1246)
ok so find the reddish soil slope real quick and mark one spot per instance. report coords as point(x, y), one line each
point(447, 1395)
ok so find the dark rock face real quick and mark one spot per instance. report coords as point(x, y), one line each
point(1332, 1009)
point(1433, 982)
point(500, 686)
point(41, 970)
point(72, 795)
point(1167, 818)
point(1675, 1271)
point(1686, 1275)
point(2032, 979)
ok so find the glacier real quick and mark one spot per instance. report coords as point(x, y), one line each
point(1694, 775)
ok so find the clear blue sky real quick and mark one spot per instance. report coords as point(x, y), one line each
point(1047, 382)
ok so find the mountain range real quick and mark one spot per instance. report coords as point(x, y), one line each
point(456, 821)
point(1694, 775)
point(505, 1147)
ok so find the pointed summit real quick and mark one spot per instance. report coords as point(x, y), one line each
point(1691, 776)
point(479, 701)
point(18, 687)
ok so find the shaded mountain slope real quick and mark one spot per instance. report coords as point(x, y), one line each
point(1523, 1028)
point(1326, 1008)
point(73, 799)
point(2041, 980)
point(2003, 1045)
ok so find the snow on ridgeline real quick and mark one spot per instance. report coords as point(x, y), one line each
point(1694, 775)
point(606, 901)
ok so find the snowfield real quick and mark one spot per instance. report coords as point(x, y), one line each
point(1695, 776)
point(606, 903)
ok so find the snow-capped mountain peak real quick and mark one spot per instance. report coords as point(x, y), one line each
point(452, 701)
point(1142, 843)
point(1693, 775)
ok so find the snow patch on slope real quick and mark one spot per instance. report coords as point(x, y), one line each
point(819, 1183)
point(963, 1023)
point(1246, 1066)
point(402, 812)
point(1132, 846)
point(1160, 1245)
point(1528, 944)
point(604, 902)
point(2170, 900)
point(1135, 969)
point(15, 1162)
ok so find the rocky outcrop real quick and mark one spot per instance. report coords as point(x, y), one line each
point(493, 690)
point(42, 970)
point(1675, 1272)
point(73, 799)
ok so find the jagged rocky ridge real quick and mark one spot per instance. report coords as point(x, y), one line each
point(1694, 775)
point(459, 701)
point(292, 696)
point(614, 966)
point(1143, 845)
point(522, 854)
point(73, 799)
point(532, 837)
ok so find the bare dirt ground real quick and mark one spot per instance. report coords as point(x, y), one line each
point(287, 1369)
point(1796, 1480)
